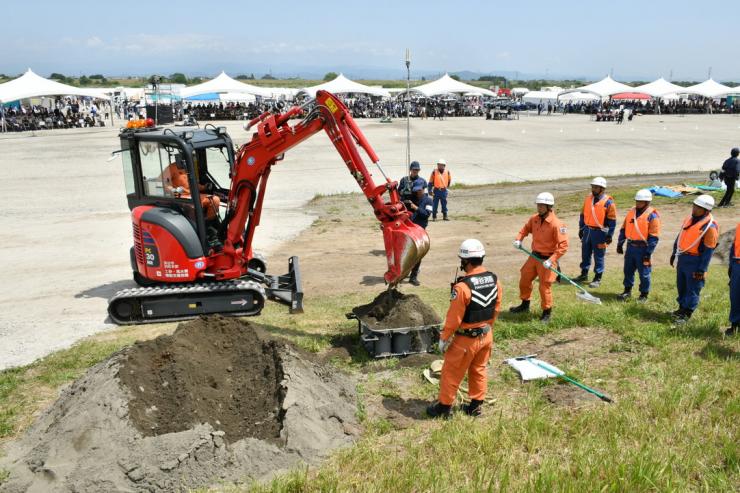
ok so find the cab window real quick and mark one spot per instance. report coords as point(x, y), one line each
point(163, 171)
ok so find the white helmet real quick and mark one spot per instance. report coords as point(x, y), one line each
point(599, 181)
point(705, 202)
point(441, 161)
point(472, 248)
point(545, 198)
point(644, 195)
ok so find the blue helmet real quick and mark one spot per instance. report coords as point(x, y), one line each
point(415, 165)
point(418, 182)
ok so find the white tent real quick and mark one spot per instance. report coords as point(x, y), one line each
point(578, 97)
point(604, 88)
point(223, 84)
point(282, 92)
point(448, 85)
point(342, 85)
point(536, 97)
point(519, 91)
point(710, 89)
point(30, 85)
point(661, 87)
point(236, 97)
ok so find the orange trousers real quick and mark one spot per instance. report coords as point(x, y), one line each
point(530, 270)
point(466, 355)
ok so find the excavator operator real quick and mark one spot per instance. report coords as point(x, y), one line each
point(175, 182)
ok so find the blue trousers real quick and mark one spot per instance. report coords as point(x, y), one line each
point(633, 262)
point(589, 247)
point(439, 196)
point(735, 293)
point(689, 288)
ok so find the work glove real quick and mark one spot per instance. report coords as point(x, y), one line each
point(699, 275)
point(580, 234)
point(608, 240)
point(673, 260)
point(517, 244)
point(620, 248)
point(547, 264)
point(442, 345)
point(646, 261)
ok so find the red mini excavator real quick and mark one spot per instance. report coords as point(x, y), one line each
point(195, 204)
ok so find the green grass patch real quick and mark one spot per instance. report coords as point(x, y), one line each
point(673, 426)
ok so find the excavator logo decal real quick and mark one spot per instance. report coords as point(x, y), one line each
point(331, 105)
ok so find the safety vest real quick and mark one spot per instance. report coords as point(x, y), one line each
point(594, 214)
point(484, 293)
point(736, 253)
point(691, 235)
point(636, 228)
point(440, 180)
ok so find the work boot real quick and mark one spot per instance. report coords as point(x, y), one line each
point(626, 295)
point(413, 280)
point(545, 317)
point(438, 410)
point(474, 408)
point(732, 331)
point(643, 298)
point(684, 316)
point(677, 313)
point(583, 277)
point(596, 282)
point(445, 218)
point(522, 308)
point(434, 217)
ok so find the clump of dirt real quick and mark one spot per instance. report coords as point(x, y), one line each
point(723, 246)
point(214, 371)
point(220, 402)
point(392, 309)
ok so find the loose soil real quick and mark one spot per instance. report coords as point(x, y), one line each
point(392, 309)
point(165, 415)
point(211, 371)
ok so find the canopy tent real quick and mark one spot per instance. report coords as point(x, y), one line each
point(282, 92)
point(604, 88)
point(578, 97)
point(536, 97)
point(448, 85)
point(710, 89)
point(519, 91)
point(661, 87)
point(30, 85)
point(342, 85)
point(223, 84)
point(631, 96)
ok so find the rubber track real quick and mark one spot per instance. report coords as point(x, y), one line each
point(193, 291)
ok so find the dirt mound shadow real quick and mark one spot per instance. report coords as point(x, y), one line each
point(211, 371)
point(216, 401)
point(393, 309)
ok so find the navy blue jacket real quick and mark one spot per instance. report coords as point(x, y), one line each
point(421, 215)
point(731, 168)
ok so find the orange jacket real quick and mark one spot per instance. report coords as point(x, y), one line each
point(174, 177)
point(736, 252)
point(549, 235)
point(691, 235)
point(643, 228)
point(594, 215)
point(440, 180)
point(459, 303)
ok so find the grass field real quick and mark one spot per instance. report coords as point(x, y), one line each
point(673, 426)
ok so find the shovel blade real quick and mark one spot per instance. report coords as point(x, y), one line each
point(588, 297)
point(405, 244)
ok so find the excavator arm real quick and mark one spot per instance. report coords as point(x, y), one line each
point(405, 242)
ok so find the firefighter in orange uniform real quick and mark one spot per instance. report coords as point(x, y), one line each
point(176, 182)
point(641, 230)
point(596, 229)
point(694, 247)
point(549, 243)
point(439, 181)
point(475, 304)
point(734, 273)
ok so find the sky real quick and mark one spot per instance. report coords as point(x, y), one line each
point(634, 40)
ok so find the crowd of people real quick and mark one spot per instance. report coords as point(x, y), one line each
point(63, 112)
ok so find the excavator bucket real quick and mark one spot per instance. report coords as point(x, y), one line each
point(405, 244)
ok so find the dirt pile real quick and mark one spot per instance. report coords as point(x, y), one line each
point(216, 401)
point(393, 309)
point(211, 371)
point(723, 246)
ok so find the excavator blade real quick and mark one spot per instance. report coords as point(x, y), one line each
point(405, 244)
